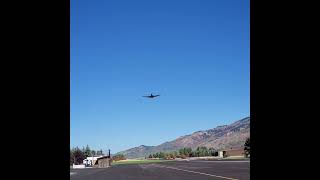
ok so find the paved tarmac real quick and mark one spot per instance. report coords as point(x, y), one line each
point(174, 170)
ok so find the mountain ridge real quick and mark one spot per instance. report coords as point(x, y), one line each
point(220, 137)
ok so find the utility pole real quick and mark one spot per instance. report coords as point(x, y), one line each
point(109, 158)
point(92, 159)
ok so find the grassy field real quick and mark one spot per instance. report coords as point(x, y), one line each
point(137, 161)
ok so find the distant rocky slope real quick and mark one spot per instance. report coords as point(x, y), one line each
point(221, 137)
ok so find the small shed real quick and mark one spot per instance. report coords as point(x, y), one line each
point(103, 162)
point(239, 152)
point(222, 154)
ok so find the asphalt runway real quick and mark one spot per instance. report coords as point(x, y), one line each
point(174, 170)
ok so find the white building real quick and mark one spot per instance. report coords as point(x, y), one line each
point(90, 160)
point(221, 154)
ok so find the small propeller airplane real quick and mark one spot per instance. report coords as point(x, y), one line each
point(151, 96)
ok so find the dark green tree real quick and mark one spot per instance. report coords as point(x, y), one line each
point(185, 152)
point(196, 152)
point(181, 152)
point(161, 155)
point(204, 151)
point(188, 152)
point(247, 147)
point(71, 157)
point(78, 156)
point(87, 151)
point(201, 152)
point(213, 152)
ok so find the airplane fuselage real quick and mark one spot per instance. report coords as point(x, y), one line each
point(151, 96)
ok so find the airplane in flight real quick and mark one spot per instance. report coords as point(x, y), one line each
point(151, 96)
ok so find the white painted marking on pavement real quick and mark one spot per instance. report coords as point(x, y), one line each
point(197, 172)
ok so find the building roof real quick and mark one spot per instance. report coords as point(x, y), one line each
point(94, 158)
point(234, 149)
point(103, 157)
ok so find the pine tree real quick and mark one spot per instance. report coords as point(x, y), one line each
point(247, 147)
point(78, 156)
point(87, 151)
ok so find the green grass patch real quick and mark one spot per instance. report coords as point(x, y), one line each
point(137, 162)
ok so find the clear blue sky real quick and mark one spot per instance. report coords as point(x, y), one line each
point(195, 54)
